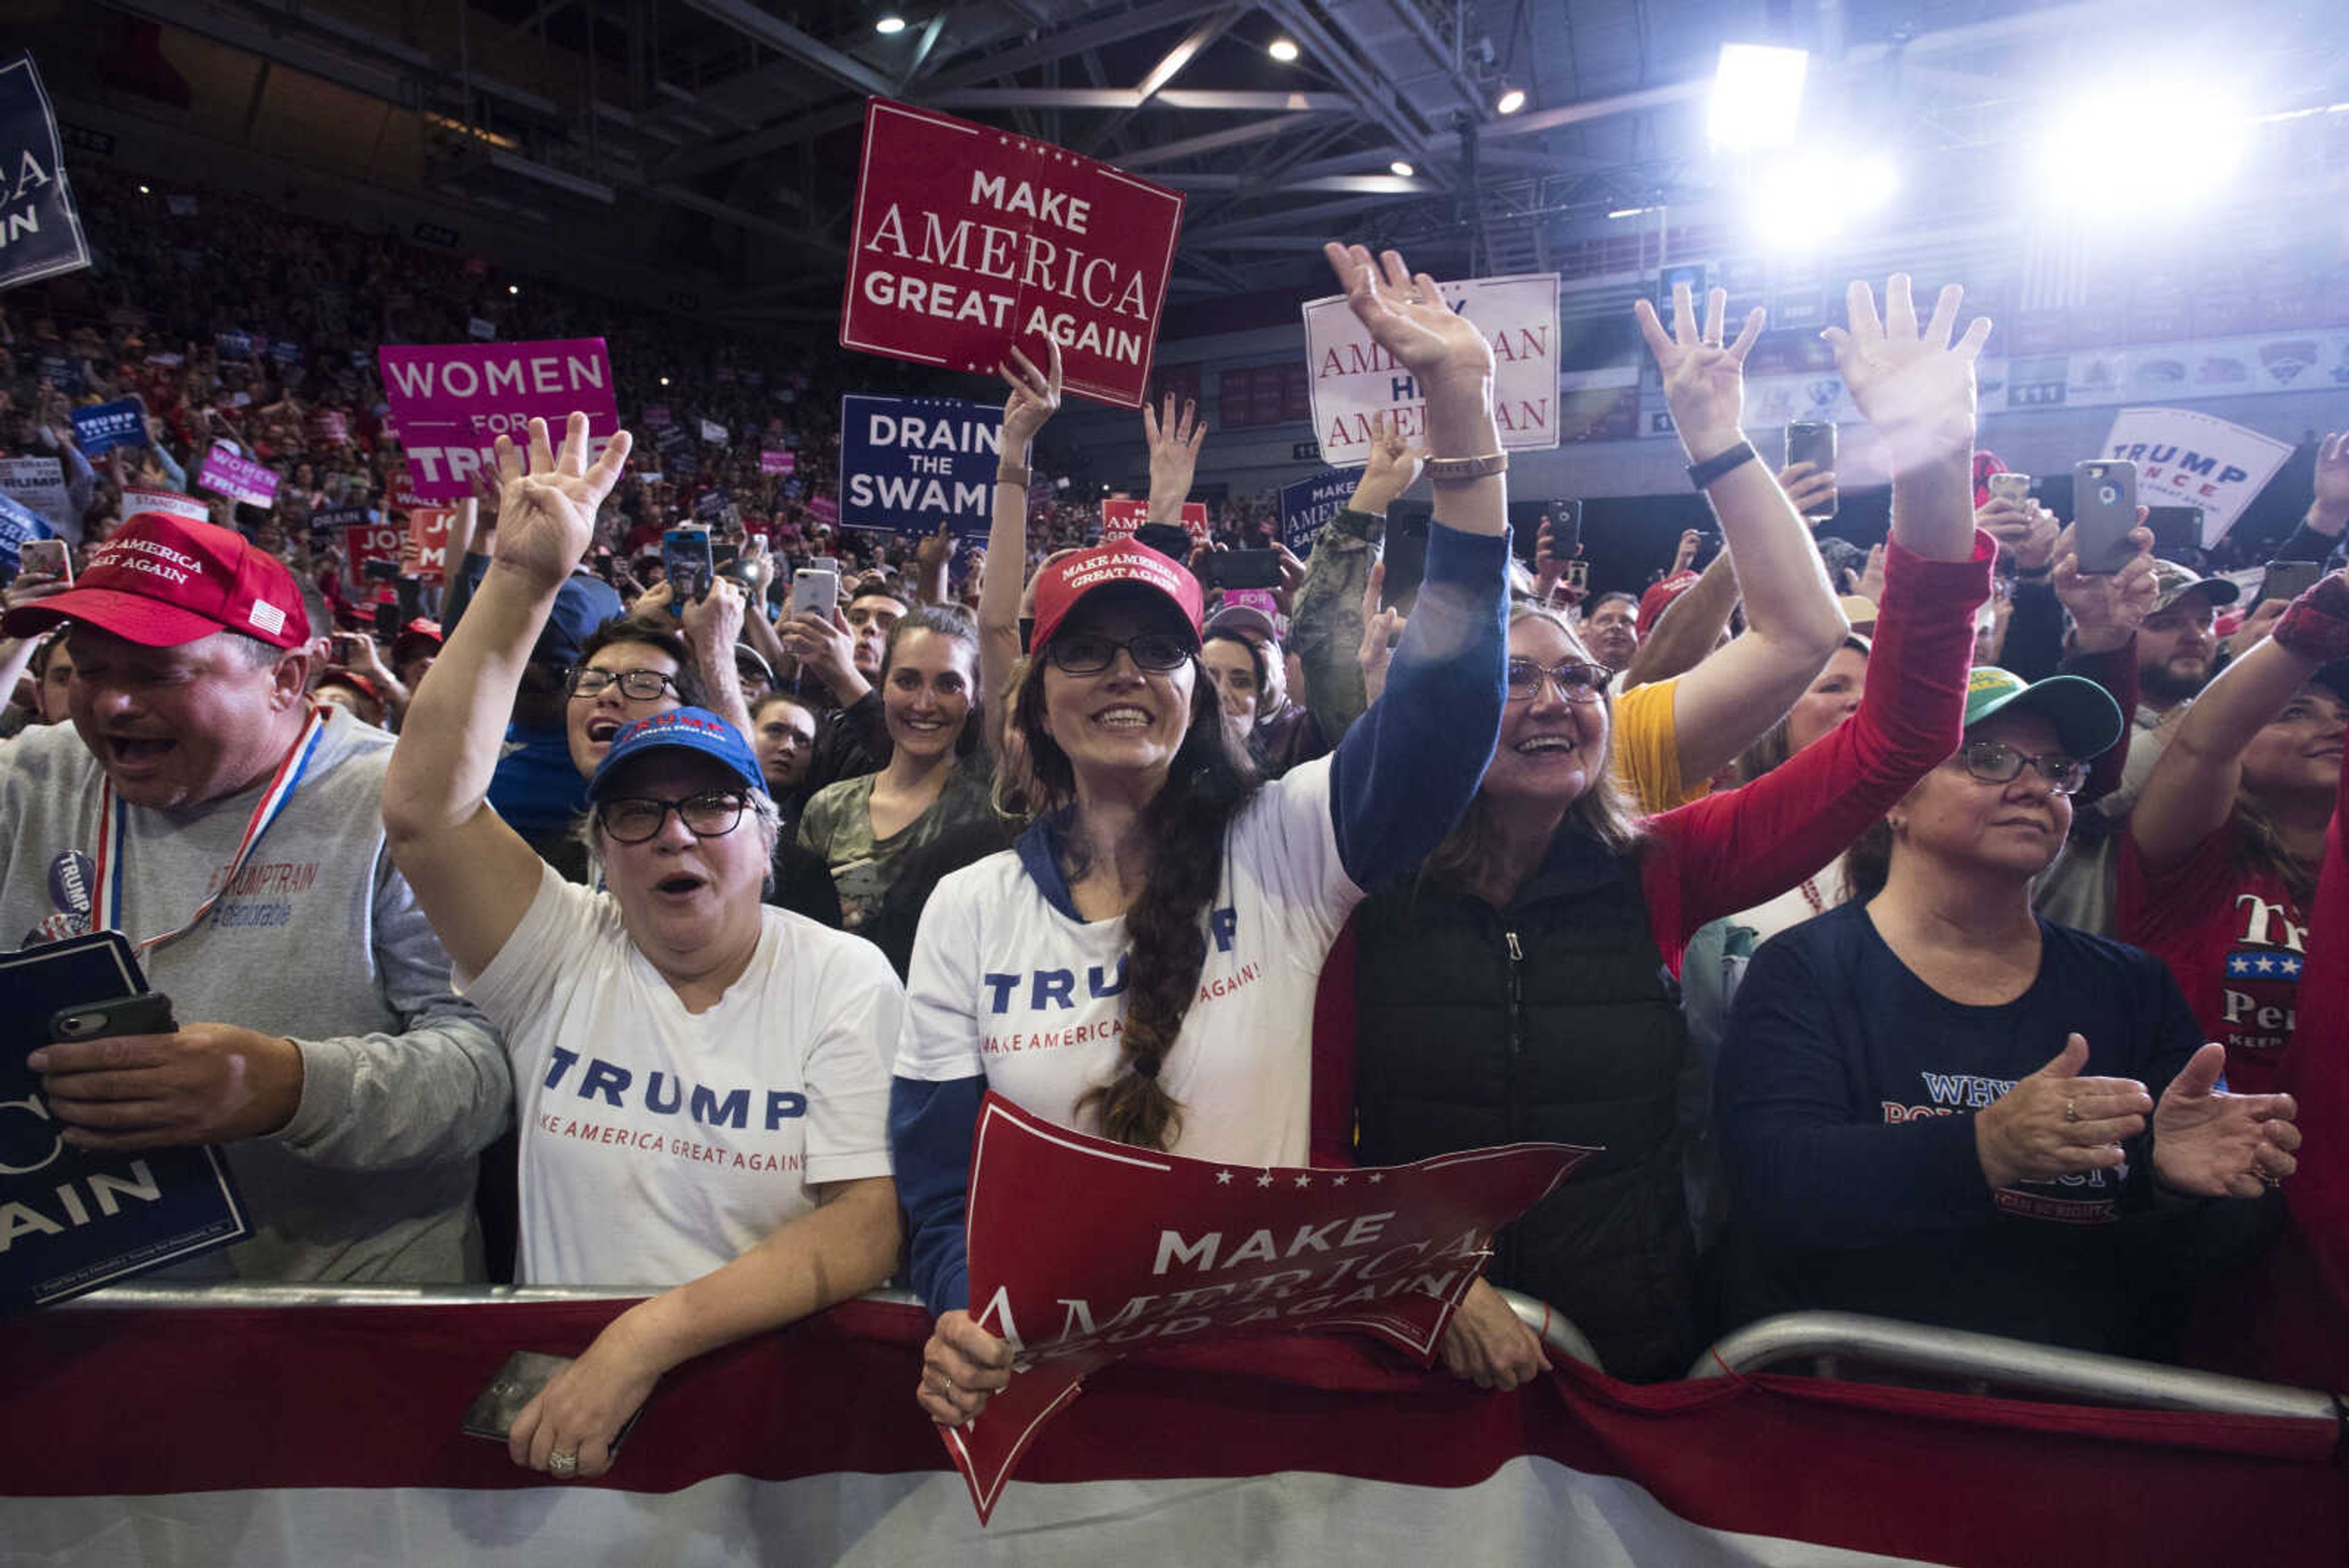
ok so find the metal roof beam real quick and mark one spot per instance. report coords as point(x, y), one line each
point(779, 35)
point(1206, 101)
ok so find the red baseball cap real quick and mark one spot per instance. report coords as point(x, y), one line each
point(160, 581)
point(1063, 585)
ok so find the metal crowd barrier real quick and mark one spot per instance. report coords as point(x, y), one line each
point(2075, 1376)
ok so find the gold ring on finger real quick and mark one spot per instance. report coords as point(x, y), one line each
point(2071, 1110)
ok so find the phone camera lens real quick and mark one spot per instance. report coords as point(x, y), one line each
point(2108, 493)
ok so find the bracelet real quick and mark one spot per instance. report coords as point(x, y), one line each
point(1454, 470)
point(2034, 574)
point(1010, 473)
point(1702, 474)
point(2317, 625)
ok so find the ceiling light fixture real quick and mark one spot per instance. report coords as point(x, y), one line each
point(890, 25)
point(1401, 169)
point(1511, 100)
point(1282, 49)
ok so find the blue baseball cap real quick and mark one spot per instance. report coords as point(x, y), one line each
point(695, 730)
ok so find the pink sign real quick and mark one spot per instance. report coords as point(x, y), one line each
point(823, 509)
point(779, 463)
point(1252, 598)
point(1142, 1248)
point(225, 473)
point(1120, 517)
point(453, 401)
point(971, 240)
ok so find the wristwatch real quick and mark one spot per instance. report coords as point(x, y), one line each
point(1451, 469)
point(1702, 474)
point(1010, 473)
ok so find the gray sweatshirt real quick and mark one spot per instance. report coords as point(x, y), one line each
point(320, 940)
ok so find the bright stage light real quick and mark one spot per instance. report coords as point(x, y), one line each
point(2140, 143)
point(1797, 201)
point(1757, 97)
point(1401, 169)
point(1511, 100)
point(1283, 50)
point(889, 26)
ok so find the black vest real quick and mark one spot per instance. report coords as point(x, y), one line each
point(1551, 1020)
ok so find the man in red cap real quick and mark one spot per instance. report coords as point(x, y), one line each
point(201, 804)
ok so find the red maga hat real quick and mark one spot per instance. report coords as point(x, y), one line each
point(160, 581)
point(1064, 584)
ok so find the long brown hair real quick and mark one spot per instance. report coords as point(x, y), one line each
point(1601, 808)
point(1184, 826)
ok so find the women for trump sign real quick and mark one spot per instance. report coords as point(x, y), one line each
point(970, 241)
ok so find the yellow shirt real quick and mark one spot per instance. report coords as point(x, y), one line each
point(1647, 750)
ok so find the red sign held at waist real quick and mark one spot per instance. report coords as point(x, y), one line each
point(970, 240)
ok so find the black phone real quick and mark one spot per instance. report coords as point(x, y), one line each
point(522, 1379)
point(685, 558)
point(1565, 527)
point(1241, 570)
point(2103, 510)
point(379, 571)
point(2287, 580)
point(146, 1012)
point(1168, 539)
point(346, 646)
point(1405, 558)
point(2176, 530)
point(387, 623)
point(1814, 442)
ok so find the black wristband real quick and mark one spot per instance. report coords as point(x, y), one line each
point(1702, 474)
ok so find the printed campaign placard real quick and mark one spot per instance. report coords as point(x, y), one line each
point(453, 401)
point(2187, 458)
point(169, 502)
point(713, 432)
point(970, 240)
point(378, 539)
point(1147, 1248)
point(1309, 506)
point(1354, 380)
point(16, 526)
point(428, 537)
point(239, 479)
point(40, 229)
point(779, 463)
point(1122, 516)
point(72, 1221)
point(39, 485)
point(909, 463)
point(102, 427)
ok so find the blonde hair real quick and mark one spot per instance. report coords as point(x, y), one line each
point(1602, 808)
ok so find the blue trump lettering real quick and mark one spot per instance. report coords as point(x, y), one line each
point(665, 1094)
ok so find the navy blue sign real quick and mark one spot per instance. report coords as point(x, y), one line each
point(17, 525)
point(72, 1221)
point(40, 232)
point(233, 344)
point(1307, 507)
point(908, 464)
point(102, 427)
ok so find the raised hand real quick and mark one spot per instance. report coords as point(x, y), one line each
point(1915, 386)
point(1035, 399)
point(2210, 1144)
point(1173, 448)
point(1548, 564)
point(714, 621)
point(1704, 380)
point(1407, 317)
point(2106, 609)
point(2055, 1123)
point(546, 510)
point(1381, 628)
point(1808, 484)
point(2328, 513)
point(2025, 531)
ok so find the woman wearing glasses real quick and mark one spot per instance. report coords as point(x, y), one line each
point(1522, 985)
point(1142, 964)
point(1937, 1106)
point(704, 1081)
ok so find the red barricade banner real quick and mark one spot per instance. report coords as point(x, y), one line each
point(1146, 1248)
point(1121, 517)
point(970, 241)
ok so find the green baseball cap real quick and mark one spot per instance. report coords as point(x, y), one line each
point(2083, 713)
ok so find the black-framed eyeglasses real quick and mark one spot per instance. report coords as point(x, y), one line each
point(634, 819)
point(1576, 681)
point(1993, 761)
point(637, 685)
point(1090, 653)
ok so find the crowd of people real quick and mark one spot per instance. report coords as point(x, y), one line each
point(1919, 933)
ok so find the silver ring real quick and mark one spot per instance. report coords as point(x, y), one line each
point(2071, 1111)
point(562, 1466)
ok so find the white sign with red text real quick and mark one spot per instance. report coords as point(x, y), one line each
point(2186, 458)
point(1354, 380)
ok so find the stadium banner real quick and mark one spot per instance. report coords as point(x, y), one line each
point(2188, 459)
point(40, 229)
point(1310, 505)
point(1354, 380)
point(169, 502)
point(1151, 1248)
point(970, 240)
point(1123, 515)
point(238, 478)
point(102, 427)
point(909, 463)
point(772, 461)
point(39, 485)
point(806, 1445)
point(453, 400)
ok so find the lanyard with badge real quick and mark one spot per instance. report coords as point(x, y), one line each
point(113, 826)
